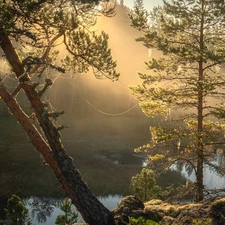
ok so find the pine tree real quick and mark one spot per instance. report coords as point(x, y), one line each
point(185, 84)
point(16, 212)
point(69, 217)
point(30, 33)
point(144, 186)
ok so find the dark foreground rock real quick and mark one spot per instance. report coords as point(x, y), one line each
point(131, 206)
point(208, 212)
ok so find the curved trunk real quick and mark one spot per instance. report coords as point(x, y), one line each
point(51, 148)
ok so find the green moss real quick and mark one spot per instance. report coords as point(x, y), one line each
point(142, 221)
point(202, 221)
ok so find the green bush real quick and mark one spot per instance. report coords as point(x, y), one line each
point(16, 212)
point(69, 217)
point(144, 186)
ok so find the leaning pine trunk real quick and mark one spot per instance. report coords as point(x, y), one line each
point(92, 211)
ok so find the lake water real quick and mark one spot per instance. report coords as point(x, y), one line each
point(43, 211)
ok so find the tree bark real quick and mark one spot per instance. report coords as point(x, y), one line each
point(200, 148)
point(50, 146)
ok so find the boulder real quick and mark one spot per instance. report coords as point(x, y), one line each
point(218, 212)
point(131, 206)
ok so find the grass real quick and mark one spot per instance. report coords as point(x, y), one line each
point(22, 171)
point(21, 168)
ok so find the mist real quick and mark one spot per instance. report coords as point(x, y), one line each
point(84, 94)
point(99, 111)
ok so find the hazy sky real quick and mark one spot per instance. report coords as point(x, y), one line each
point(148, 3)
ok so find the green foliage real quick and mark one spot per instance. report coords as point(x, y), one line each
point(86, 51)
point(185, 83)
point(69, 216)
point(139, 17)
point(144, 186)
point(68, 21)
point(202, 222)
point(142, 221)
point(16, 212)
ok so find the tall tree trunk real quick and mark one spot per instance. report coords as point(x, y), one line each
point(200, 154)
point(199, 178)
point(200, 148)
point(50, 146)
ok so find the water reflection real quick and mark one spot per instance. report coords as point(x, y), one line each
point(110, 201)
point(41, 208)
point(213, 175)
point(211, 179)
point(43, 211)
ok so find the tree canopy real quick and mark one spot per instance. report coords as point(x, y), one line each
point(39, 24)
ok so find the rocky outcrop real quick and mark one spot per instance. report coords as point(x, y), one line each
point(131, 206)
point(179, 213)
point(208, 212)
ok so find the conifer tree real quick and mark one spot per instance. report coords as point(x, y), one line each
point(31, 32)
point(184, 84)
point(16, 212)
point(143, 185)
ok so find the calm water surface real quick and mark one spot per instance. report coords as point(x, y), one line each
point(44, 211)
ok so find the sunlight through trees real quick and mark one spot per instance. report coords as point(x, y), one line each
point(185, 85)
